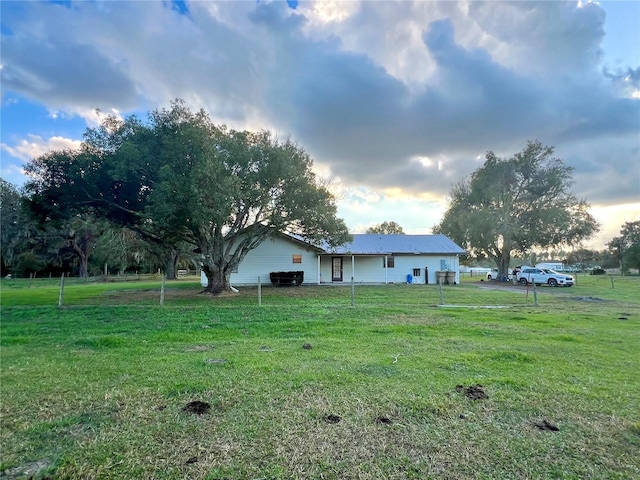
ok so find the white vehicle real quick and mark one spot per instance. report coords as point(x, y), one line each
point(544, 276)
point(494, 275)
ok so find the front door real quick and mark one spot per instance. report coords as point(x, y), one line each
point(336, 269)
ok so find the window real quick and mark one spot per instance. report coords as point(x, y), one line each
point(297, 258)
point(416, 272)
point(388, 262)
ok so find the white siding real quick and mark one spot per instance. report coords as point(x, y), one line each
point(370, 269)
point(275, 255)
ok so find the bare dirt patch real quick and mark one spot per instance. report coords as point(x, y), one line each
point(546, 426)
point(27, 470)
point(197, 407)
point(332, 418)
point(517, 288)
point(216, 361)
point(384, 420)
point(503, 286)
point(474, 392)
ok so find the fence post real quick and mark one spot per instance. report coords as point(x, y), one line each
point(30, 278)
point(61, 295)
point(441, 293)
point(611, 277)
point(259, 291)
point(162, 290)
point(535, 295)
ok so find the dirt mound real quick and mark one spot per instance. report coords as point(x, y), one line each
point(197, 407)
point(384, 420)
point(332, 418)
point(474, 392)
point(546, 426)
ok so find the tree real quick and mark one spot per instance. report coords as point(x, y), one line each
point(626, 247)
point(179, 178)
point(582, 257)
point(113, 175)
point(17, 229)
point(512, 205)
point(11, 219)
point(248, 189)
point(386, 228)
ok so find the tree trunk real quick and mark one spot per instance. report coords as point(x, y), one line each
point(503, 263)
point(84, 266)
point(217, 279)
point(171, 263)
point(82, 254)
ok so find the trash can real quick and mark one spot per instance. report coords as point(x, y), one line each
point(409, 278)
point(441, 277)
point(451, 278)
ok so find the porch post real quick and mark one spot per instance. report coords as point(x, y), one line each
point(353, 266)
point(386, 266)
point(319, 273)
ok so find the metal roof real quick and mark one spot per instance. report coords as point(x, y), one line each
point(377, 244)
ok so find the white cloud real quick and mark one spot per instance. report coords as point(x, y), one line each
point(394, 100)
point(34, 146)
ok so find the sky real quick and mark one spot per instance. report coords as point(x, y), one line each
point(394, 101)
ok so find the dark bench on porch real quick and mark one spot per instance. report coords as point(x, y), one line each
point(286, 279)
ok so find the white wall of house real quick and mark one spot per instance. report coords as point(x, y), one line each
point(370, 269)
point(274, 255)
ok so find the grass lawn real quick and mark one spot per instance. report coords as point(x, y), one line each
point(113, 385)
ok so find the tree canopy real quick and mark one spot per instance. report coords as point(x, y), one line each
point(386, 228)
point(626, 247)
point(179, 178)
point(15, 227)
point(512, 205)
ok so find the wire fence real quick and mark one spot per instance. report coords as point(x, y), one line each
point(186, 291)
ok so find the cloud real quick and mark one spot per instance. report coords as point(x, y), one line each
point(558, 38)
point(35, 146)
point(44, 61)
point(391, 97)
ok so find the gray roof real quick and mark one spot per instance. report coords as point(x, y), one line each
point(377, 244)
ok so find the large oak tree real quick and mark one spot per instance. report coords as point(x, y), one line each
point(513, 205)
point(180, 178)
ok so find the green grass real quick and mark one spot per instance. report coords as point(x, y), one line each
point(96, 389)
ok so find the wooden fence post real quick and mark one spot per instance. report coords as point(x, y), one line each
point(61, 295)
point(162, 290)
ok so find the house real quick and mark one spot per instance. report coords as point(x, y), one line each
point(369, 258)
